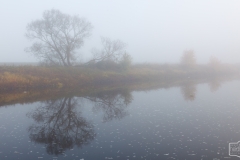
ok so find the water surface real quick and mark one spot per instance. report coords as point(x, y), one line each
point(191, 121)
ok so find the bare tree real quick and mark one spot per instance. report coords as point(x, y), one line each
point(125, 61)
point(188, 58)
point(112, 50)
point(57, 37)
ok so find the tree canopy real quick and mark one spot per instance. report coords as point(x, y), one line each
point(112, 50)
point(57, 37)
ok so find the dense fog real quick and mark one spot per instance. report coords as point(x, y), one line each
point(154, 31)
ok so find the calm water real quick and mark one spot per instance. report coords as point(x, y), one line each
point(186, 122)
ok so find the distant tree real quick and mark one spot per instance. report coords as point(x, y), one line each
point(57, 37)
point(188, 58)
point(112, 50)
point(215, 63)
point(125, 61)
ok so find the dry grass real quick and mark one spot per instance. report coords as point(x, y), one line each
point(35, 77)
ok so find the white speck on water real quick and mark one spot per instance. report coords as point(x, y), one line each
point(191, 154)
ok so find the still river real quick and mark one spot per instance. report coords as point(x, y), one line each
point(191, 121)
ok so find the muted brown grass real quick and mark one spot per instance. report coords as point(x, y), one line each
point(30, 77)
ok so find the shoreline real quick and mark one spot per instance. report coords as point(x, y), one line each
point(24, 78)
point(31, 96)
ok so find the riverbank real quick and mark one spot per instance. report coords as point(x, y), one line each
point(25, 78)
point(188, 87)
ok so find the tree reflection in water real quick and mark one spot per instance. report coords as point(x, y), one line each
point(214, 85)
point(60, 126)
point(189, 91)
point(112, 103)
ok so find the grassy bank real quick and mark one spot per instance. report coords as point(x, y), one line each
point(38, 77)
point(187, 85)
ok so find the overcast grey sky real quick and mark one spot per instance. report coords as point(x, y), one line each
point(154, 30)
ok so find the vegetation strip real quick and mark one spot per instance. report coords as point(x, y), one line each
point(37, 77)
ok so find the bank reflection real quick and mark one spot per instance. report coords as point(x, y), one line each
point(60, 126)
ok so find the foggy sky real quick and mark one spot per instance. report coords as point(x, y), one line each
point(154, 30)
